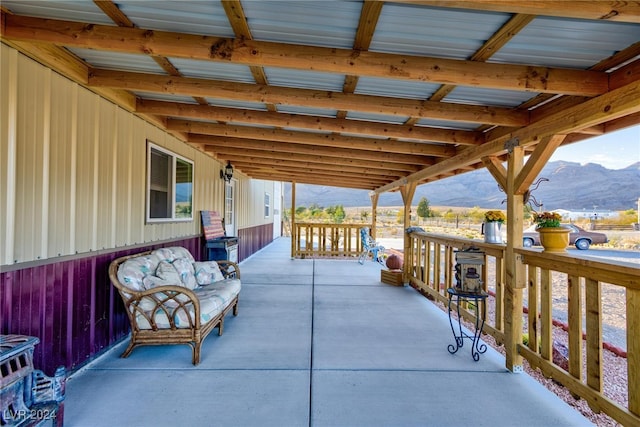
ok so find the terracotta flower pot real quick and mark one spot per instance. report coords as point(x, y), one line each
point(554, 239)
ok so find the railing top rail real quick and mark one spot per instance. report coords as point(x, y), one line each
point(331, 224)
point(491, 249)
point(612, 271)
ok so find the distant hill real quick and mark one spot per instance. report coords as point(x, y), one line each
point(570, 186)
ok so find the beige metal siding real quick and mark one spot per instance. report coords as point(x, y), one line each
point(251, 194)
point(73, 170)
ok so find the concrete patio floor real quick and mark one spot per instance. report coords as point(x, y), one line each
point(316, 343)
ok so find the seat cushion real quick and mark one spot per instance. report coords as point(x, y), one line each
point(132, 271)
point(185, 270)
point(172, 253)
point(207, 272)
point(214, 298)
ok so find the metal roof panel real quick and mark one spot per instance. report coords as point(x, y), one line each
point(307, 111)
point(192, 17)
point(395, 88)
point(317, 23)
point(304, 79)
point(430, 31)
point(567, 43)
point(380, 118)
point(491, 97)
point(213, 70)
point(79, 11)
point(118, 61)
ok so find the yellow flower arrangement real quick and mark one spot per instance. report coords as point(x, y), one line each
point(547, 219)
point(495, 216)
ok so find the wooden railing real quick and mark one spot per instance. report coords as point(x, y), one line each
point(431, 260)
point(326, 240)
point(583, 281)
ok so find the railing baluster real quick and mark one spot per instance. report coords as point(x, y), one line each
point(593, 323)
point(574, 292)
point(532, 304)
point(428, 268)
point(546, 320)
point(437, 249)
point(633, 348)
point(499, 299)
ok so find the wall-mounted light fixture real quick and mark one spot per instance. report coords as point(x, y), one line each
point(227, 173)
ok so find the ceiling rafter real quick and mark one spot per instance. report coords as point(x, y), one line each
point(306, 97)
point(238, 21)
point(267, 118)
point(221, 150)
point(310, 58)
point(311, 150)
point(309, 138)
point(364, 34)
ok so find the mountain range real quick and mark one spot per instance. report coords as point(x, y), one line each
point(570, 186)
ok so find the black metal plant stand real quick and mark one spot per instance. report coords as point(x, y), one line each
point(477, 297)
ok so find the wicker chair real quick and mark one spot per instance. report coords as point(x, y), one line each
point(175, 314)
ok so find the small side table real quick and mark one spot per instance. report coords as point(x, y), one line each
point(459, 336)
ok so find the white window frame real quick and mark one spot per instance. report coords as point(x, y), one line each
point(267, 205)
point(171, 187)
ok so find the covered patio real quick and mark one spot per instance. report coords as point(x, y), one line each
point(373, 95)
point(321, 343)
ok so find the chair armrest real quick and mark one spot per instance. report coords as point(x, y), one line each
point(169, 299)
point(229, 269)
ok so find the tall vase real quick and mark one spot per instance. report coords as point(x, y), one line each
point(554, 239)
point(491, 231)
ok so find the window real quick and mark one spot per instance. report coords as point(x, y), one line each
point(267, 205)
point(170, 186)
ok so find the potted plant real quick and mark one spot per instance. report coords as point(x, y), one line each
point(493, 220)
point(553, 236)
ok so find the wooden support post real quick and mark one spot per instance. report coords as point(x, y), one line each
point(515, 278)
point(407, 192)
point(374, 217)
point(294, 237)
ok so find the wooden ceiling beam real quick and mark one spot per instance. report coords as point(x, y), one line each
point(315, 180)
point(267, 118)
point(307, 58)
point(620, 11)
point(310, 150)
point(222, 150)
point(310, 179)
point(250, 167)
point(311, 138)
point(311, 168)
point(307, 97)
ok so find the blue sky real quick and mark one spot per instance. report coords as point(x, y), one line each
point(615, 150)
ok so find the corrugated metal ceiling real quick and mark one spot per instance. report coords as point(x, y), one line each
point(401, 29)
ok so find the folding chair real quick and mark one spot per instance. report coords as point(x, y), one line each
point(370, 246)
